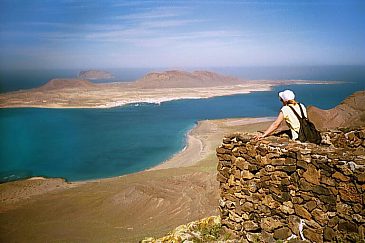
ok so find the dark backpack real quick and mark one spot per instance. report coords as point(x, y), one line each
point(307, 131)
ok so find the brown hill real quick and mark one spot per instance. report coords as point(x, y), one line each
point(349, 113)
point(54, 84)
point(182, 79)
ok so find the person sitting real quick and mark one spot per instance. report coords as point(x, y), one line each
point(287, 97)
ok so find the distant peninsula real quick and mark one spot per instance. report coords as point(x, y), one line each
point(155, 87)
point(95, 74)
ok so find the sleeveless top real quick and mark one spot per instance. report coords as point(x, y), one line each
point(291, 120)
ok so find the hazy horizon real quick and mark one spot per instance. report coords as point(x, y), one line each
point(180, 34)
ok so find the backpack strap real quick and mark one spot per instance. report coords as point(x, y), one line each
point(301, 111)
point(297, 115)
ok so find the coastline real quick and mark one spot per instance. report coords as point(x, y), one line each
point(201, 141)
point(124, 208)
point(203, 138)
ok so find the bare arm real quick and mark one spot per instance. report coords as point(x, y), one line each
point(272, 127)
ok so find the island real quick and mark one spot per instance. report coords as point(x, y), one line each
point(154, 87)
point(95, 74)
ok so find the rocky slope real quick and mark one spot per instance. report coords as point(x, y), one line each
point(182, 79)
point(349, 113)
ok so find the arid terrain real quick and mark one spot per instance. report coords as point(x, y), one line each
point(152, 88)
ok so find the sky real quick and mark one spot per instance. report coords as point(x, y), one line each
point(181, 33)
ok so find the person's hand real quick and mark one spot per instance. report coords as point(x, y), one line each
point(258, 137)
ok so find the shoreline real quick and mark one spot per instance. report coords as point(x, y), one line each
point(200, 143)
point(123, 208)
point(195, 149)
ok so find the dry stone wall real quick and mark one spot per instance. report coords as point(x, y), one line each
point(277, 189)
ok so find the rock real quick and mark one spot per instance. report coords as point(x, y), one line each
point(312, 175)
point(327, 180)
point(241, 163)
point(310, 205)
point(333, 222)
point(329, 234)
point(287, 208)
point(305, 185)
point(293, 223)
point(253, 237)
point(320, 217)
point(360, 177)
point(339, 176)
point(313, 224)
point(267, 237)
point(302, 164)
point(349, 193)
point(312, 236)
point(269, 224)
point(302, 212)
point(347, 226)
point(358, 218)
point(247, 207)
point(282, 233)
point(221, 178)
point(277, 161)
point(329, 201)
point(250, 226)
point(247, 175)
point(270, 202)
point(321, 190)
point(343, 209)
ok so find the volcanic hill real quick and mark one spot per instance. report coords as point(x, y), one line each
point(55, 84)
point(349, 113)
point(183, 79)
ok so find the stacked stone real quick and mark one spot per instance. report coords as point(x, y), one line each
point(278, 189)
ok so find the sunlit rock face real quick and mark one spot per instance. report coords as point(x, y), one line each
point(349, 113)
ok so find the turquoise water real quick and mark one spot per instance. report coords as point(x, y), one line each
point(80, 144)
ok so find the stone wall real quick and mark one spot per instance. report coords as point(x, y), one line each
point(278, 189)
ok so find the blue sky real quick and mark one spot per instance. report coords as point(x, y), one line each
point(152, 33)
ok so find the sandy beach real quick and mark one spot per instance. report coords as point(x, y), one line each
point(126, 208)
point(204, 138)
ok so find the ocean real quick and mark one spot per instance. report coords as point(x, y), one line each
point(83, 144)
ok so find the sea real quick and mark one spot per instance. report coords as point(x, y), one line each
point(85, 144)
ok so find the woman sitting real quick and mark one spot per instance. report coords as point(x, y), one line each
point(287, 97)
